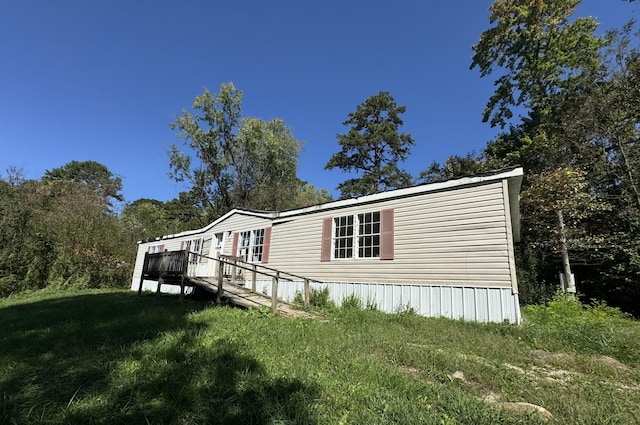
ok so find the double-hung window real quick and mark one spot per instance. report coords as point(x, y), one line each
point(369, 235)
point(245, 241)
point(253, 245)
point(193, 248)
point(343, 237)
point(257, 245)
point(357, 236)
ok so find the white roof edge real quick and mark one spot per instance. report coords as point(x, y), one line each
point(209, 226)
point(427, 187)
point(414, 190)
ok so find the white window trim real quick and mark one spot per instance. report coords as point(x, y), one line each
point(194, 254)
point(252, 244)
point(356, 237)
point(155, 249)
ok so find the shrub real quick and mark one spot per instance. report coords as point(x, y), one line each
point(320, 298)
point(352, 302)
point(566, 322)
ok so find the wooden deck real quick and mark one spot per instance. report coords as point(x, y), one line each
point(172, 268)
point(244, 297)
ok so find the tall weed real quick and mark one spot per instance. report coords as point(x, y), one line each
point(566, 323)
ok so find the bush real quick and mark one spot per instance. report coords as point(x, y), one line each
point(317, 298)
point(320, 298)
point(565, 322)
point(351, 302)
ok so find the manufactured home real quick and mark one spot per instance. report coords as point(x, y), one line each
point(443, 249)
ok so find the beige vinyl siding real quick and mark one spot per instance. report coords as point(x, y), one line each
point(454, 237)
point(238, 223)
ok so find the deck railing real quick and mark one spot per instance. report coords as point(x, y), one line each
point(172, 265)
point(162, 264)
point(236, 264)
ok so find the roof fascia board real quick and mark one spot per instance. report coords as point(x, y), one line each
point(414, 190)
point(217, 221)
point(513, 174)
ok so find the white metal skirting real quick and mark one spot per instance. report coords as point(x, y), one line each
point(479, 304)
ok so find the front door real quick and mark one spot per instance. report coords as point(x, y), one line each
point(204, 263)
point(218, 250)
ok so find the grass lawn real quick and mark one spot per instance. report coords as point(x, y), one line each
point(112, 357)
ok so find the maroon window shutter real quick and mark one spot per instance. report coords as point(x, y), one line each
point(234, 246)
point(162, 248)
point(266, 245)
point(181, 245)
point(386, 243)
point(149, 249)
point(327, 229)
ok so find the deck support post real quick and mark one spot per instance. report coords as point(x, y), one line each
point(160, 281)
point(220, 280)
point(306, 293)
point(233, 272)
point(254, 273)
point(182, 289)
point(145, 268)
point(274, 293)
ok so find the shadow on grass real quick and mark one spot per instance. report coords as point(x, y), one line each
point(119, 358)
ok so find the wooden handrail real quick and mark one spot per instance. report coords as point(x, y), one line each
point(176, 264)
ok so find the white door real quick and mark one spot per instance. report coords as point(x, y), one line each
point(204, 263)
point(218, 249)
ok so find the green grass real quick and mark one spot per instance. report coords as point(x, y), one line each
point(112, 357)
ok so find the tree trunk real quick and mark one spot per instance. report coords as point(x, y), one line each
point(628, 169)
point(564, 251)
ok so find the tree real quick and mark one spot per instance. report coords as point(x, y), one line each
point(373, 146)
point(454, 166)
point(577, 142)
point(94, 175)
point(15, 176)
point(557, 206)
point(540, 51)
point(267, 157)
point(234, 162)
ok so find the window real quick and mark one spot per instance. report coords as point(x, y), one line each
point(257, 245)
point(252, 245)
point(193, 247)
point(245, 241)
point(369, 235)
point(206, 248)
point(365, 243)
point(155, 249)
point(343, 237)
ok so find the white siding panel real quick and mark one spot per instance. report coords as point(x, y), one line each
point(457, 302)
point(484, 304)
point(452, 252)
point(447, 238)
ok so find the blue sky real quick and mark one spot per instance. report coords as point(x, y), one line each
point(102, 80)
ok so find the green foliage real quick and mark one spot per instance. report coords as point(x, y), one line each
point(541, 50)
point(91, 173)
point(454, 166)
point(230, 161)
point(405, 310)
point(578, 144)
point(374, 147)
point(115, 357)
point(320, 298)
point(60, 232)
point(352, 302)
point(566, 322)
